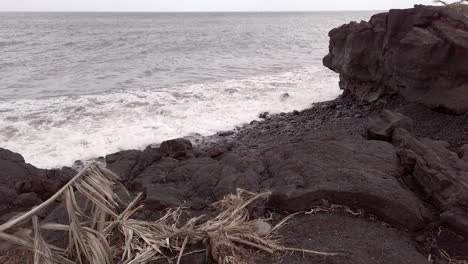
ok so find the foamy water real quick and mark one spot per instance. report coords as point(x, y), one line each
point(96, 84)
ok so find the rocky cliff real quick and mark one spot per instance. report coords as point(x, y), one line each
point(419, 53)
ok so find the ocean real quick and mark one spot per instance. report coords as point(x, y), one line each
point(82, 85)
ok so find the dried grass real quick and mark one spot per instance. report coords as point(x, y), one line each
point(97, 233)
point(459, 6)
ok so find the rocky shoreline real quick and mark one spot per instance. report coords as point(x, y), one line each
point(382, 178)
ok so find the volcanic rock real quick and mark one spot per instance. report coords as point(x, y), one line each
point(343, 169)
point(175, 147)
point(440, 174)
point(382, 127)
point(122, 163)
point(418, 53)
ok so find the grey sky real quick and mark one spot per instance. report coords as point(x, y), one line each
point(203, 5)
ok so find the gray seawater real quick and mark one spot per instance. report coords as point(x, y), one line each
point(81, 85)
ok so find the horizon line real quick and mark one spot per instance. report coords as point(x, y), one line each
point(228, 11)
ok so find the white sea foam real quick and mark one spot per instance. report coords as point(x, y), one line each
point(56, 131)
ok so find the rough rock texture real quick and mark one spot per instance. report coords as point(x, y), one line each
point(18, 177)
point(199, 181)
point(463, 153)
point(382, 127)
point(331, 167)
point(123, 162)
point(129, 163)
point(419, 53)
point(440, 174)
point(176, 147)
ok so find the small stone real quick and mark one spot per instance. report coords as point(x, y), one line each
point(262, 228)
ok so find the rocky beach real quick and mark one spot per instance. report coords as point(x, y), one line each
point(381, 173)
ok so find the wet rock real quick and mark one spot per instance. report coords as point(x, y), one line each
point(226, 133)
point(148, 156)
point(8, 155)
point(14, 170)
point(382, 127)
point(123, 162)
point(418, 53)
point(346, 170)
point(263, 115)
point(175, 147)
point(284, 96)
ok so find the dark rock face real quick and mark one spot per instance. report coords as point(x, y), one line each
point(439, 173)
point(175, 148)
point(18, 177)
point(199, 181)
point(418, 53)
point(122, 163)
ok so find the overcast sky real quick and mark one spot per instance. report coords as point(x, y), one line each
point(203, 5)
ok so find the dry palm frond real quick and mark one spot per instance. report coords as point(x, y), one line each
point(42, 253)
point(460, 2)
point(91, 206)
point(87, 242)
point(460, 6)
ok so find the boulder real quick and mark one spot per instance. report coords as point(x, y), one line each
point(175, 147)
point(149, 155)
point(123, 162)
point(343, 169)
point(418, 53)
point(16, 174)
point(382, 127)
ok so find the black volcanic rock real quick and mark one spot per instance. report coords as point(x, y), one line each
point(382, 127)
point(346, 170)
point(123, 162)
point(175, 148)
point(18, 177)
point(439, 173)
point(419, 53)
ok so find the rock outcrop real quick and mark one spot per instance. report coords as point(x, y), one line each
point(419, 53)
point(440, 175)
point(23, 185)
